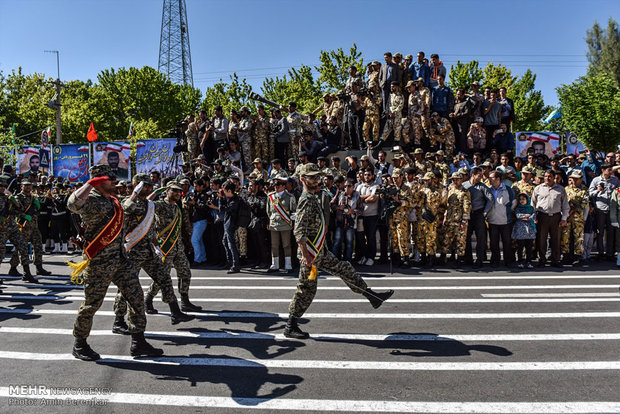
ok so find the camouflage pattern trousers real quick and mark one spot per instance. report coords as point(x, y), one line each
point(371, 121)
point(152, 265)
point(453, 235)
point(306, 288)
point(263, 148)
point(426, 240)
point(177, 259)
point(99, 273)
point(393, 124)
point(246, 151)
point(241, 238)
point(30, 234)
point(574, 227)
point(399, 234)
point(16, 238)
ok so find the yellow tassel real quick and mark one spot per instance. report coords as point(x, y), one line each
point(313, 273)
point(78, 269)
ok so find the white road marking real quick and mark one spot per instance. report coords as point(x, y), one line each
point(333, 337)
point(550, 295)
point(297, 404)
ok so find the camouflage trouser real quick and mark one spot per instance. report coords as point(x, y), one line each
point(425, 121)
point(156, 270)
point(453, 235)
point(293, 148)
point(393, 124)
point(371, 121)
point(193, 147)
point(415, 126)
point(306, 288)
point(99, 273)
point(426, 240)
point(178, 260)
point(574, 227)
point(399, 234)
point(247, 153)
point(264, 148)
point(435, 140)
point(31, 234)
point(241, 238)
point(16, 238)
point(449, 144)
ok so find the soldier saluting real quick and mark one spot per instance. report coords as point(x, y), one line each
point(310, 232)
point(103, 219)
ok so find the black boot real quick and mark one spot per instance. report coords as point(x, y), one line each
point(177, 315)
point(423, 260)
point(139, 347)
point(376, 299)
point(120, 326)
point(396, 261)
point(430, 261)
point(292, 330)
point(42, 272)
point(187, 306)
point(14, 272)
point(442, 260)
point(148, 305)
point(27, 277)
point(81, 350)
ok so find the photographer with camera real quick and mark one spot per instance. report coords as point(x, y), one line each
point(346, 206)
point(331, 134)
point(308, 145)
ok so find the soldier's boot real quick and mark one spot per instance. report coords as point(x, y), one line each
point(148, 305)
point(64, 248)
point(120, 326)
point(177, 316)
point(292, 329)
point(376, 299)
point(423, 260)
point(139, 347)
point(14, 272)
point(42, 272)
point(83, 351)
point(430, 261)
point(56, 248)
point(396, 261)
point(288, 267)
point(187, 306)
point(442, 259)
point(275, 265)
point(27, 277)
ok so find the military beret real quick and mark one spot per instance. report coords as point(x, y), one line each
point(101, 170)
point(25, 182)
point(276, 161)
point(394, 83)
point(140, 178)
point(321, 158)
point(409, 170)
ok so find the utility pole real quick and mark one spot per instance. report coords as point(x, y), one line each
point(55, 103)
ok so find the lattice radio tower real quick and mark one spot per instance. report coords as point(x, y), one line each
point(175, 59)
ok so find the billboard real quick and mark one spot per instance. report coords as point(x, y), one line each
point(115, 154)
point(32, 160)
point(71, 162)
point(543, 143)
point(157, 155)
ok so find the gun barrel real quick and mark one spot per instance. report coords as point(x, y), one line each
point(256, 97)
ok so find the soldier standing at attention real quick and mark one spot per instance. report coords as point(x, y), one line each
point(310, 233)
point(281, 206)
point(395, 108)
point(104, 249)
point(140, 221)
point(456, 218)
point(28, 220)
point(578, 200)
point(399, 221)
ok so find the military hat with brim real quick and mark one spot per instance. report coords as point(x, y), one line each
point(410, 84)
point(310, 169)
point(26, 182)
point(140, 178)
point(252, 176)
point(527, 169)
point(397, 172)
point(487, 164)
point(398, 54)
point(397, 156)
point(364, 158)
point(576, 174)
point(418, 151)
point(257, 160)
point(419, 80)
point(410, 57)
point(462, 171)
point(455, 175)
point(540, 174)
point(440, 152)
point(428, 176)
point(174, 186)
point(376, 63)
point(581, 157)
point(101, 170)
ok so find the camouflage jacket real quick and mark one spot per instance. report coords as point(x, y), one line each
point(578, 199)
point(165, 213)
point(396, 103)
point(245, 128)
point(308, 217)
point(135, 212)
point(523, 187)
point(405, 195)
point(262, 128)
point(432, 199)
point(296, 122)
point(459, 205)
point(21, 204)
point(7, 214)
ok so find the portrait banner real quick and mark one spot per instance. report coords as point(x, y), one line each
point(573, 144)
point(157, 155)
point(29, 160)
point(115, 154)
point(71, 161)
point(544, 142)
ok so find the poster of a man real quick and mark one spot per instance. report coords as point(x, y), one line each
point(116, 155)
point(541, 142)
point(29, 162)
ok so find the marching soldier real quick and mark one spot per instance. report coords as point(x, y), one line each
point(427, 220)
point(456, 218)
point(394, 115)
point(310, 233)
point(281, 207)
point(28, 207)
point(578, 200)
point(399, 221)
point(143, 254)
point(9, 230)
point(103, 218)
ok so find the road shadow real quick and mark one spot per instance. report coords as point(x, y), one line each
point(15, 306)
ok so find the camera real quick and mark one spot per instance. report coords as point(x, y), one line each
point(178, 132)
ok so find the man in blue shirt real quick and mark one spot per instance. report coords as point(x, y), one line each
point(443, 98)
point(420, 69)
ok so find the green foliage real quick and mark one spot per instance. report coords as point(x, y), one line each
point(591, 109)
point(496, 76)
point(334, 68)
point(604, 50)
point(529, 105)
point(298, 86)
point(463, 74)
point(231, 96)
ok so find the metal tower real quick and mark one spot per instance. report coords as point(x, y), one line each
point(175, 59)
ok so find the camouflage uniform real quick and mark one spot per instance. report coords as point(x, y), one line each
point(394, 124)
point(193, 143)
point(295, 122)
point(578, 200)
point(459, 208)
point(143, 256)
point(109, 265)
point(415, 112)
point(442, 133)
point(399, 222)
point(245, 139)
point(29, 229)
point(262, 174)
point(425, 100)
point(308, 221)
point(427, 232)
point(263, 146)
point(371, 119)
point(233, 131)
point(523, 187)
point(165, 213)
point(10, 231)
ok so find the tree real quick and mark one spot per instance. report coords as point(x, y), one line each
point(463, 74)
point(231, 96)
point(497, 76)
point(298, 86)
point(591, 110)
point(334, 68)
point(529, 105)
point(604, 50)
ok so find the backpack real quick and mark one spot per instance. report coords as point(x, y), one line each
point(244, 216)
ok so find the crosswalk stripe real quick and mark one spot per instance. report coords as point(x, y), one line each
point(550, 295)
point(333, 337)
point(258, 315)
point(110, 298)
point(296, 404)
point(327, 364)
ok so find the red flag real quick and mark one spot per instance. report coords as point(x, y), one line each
point(92, 135)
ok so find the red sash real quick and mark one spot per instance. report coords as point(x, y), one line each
point(109, 233)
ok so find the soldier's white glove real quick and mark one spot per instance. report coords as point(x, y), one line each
point(615, 225)
point(138, 188)
point(158, 252)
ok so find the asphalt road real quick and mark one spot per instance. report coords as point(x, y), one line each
point(495, 340)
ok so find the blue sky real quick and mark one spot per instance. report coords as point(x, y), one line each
point(263, 38)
